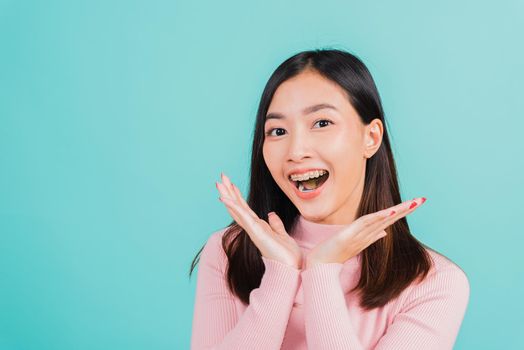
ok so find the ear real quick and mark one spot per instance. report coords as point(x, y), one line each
point(373, 137)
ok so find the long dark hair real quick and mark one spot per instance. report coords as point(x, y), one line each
point(390, 264)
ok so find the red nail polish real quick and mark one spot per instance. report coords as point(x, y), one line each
point(413, 205)
point(423, 199)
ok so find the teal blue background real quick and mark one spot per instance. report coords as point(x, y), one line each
point(117, 117)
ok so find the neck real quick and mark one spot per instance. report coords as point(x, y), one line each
point(309, 234)
point(347, 213)
point(313, 232)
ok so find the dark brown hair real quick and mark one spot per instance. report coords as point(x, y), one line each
point(390, 264)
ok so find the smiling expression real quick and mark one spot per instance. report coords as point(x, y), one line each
point(310, 124)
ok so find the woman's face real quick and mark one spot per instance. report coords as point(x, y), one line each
point(332, 139)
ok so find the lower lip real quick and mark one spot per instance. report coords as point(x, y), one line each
point(312, 194)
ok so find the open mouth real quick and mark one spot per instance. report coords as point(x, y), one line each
point(311, 184)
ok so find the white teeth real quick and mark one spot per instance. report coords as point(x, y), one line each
point(308, 175)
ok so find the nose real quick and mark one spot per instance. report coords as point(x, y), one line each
point(299, 147)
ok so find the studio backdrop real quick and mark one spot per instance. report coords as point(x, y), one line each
point(117, 118)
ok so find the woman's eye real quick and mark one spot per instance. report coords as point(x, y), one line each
point(324, 120)
point(270, 131)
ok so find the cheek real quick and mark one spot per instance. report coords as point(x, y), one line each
point(265, 154)
point(345, 158)
point(274, 162)
point(339, 148)
point(270, 157)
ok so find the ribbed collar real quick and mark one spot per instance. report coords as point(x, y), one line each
point(309, 234)
point(312, 232)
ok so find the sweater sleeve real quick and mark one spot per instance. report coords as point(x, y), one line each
point(216, 324)
point(326, 316)
point(431, 315)
point(429, 318)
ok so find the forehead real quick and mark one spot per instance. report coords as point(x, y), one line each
point(307, 89)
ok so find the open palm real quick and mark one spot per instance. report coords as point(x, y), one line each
point(360, 234)
point(270, 237)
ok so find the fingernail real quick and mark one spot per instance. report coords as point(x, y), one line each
point(220, 199)
point(216, 184)
point(393, 212)
point(423, 199)
point(413, 205)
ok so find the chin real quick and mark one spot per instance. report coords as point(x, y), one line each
point(313, 214)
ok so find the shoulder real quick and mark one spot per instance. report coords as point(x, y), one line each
point(431, 311)
point(445, 281)
point(443, 265)
point(213, 252)
point(216, 237)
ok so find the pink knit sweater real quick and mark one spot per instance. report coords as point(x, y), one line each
point(313, 309)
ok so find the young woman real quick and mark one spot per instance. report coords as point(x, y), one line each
point(335, 265)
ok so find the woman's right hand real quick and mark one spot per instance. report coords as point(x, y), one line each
point(271, 239)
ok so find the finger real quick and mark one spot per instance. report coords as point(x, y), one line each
point(404, 205)
point(406, 208)
point(237, 213)
point(370, 220)
point(276, 223)
point(250, 225)
point(381, 234)
point(396, 210)
point(227, 184)
point(237, 193)
point(244, 219)
point(376, 222)
point(402, 210)
point(375, 237)
point(242, 209)
point(379, 216)
point(229, 207)
point(224, 193)
point(242, 201)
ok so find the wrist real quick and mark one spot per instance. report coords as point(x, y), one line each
point(311, 262)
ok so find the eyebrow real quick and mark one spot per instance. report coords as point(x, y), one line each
point(305, 111)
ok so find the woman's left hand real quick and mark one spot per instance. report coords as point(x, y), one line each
point(358, 235)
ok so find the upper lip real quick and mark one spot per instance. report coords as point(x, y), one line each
point(302, 171)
